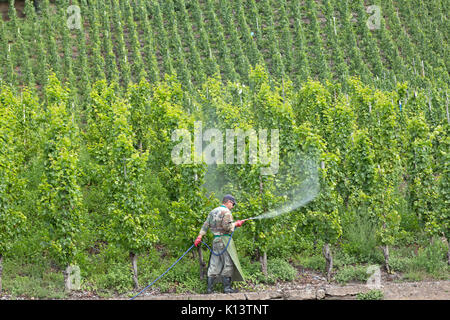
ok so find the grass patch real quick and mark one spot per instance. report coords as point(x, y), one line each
point(352, 273)
point(281, 270)
point(49, 286)
point(429, 262)
point(371, 295)
point(359, 238)
point(313, 262)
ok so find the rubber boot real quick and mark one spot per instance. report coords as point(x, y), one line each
point(227, 285)
point(210, 282)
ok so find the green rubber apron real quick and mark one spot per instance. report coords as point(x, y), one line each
point(238, 275)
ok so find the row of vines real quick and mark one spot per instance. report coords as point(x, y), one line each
point(128, 40)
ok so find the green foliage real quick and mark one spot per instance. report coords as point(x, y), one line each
point(432, 258)
point(359, 237)
point(48, 287)
point(12, 157)
point(351, 273)
point(281, 269)
point(60, 203)
point(312, 262)
point(112, 142)
point(117, 278)
point(421, 186)
point(417, 263)
point(371, 295)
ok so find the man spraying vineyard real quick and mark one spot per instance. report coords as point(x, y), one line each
point(226, 266)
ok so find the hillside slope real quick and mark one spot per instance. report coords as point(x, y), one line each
point(383, 42)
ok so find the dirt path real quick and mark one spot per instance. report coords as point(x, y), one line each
point(439, 290)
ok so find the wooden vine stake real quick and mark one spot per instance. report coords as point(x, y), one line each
point(446, 108)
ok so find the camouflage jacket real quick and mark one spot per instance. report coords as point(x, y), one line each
point(220, 221)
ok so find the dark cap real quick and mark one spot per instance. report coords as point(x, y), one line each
point(229, 197)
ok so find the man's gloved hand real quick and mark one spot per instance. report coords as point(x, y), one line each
point(198, 240)
point(239, 223)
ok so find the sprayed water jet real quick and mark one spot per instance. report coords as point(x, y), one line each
point(300, 196)
point(297, 182)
